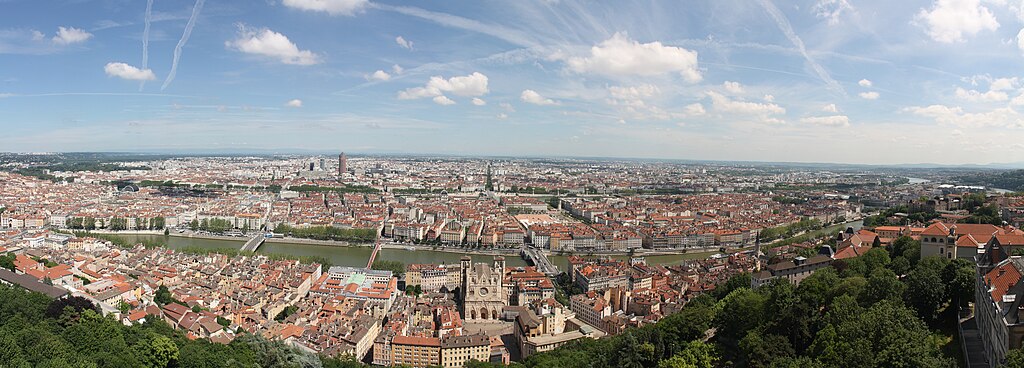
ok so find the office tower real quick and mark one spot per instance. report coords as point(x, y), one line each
point(342, 164)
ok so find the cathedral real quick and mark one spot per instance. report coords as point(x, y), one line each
point(483, 295)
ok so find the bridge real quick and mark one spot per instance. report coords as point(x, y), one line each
point(254, 243)
point(377, 246)
point(539, 259)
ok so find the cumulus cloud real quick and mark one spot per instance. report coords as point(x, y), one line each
point(769, 98)
point(1001, 117)
point(443, 100)
point(831, 10)
point(724, 104)
point(869, 95)
point(470, 85)
point(502, 116)
point(695, 109)
point(332, 7)
point(830, 108)
point(1020, 39)
point(865, 83)
point(379, 75)
point(620, 56)
point(265, 42)
point(733, 87)
point(401, 41)
point(832, 121)
point(125, 71)
point(294, 103)
point(535, 98)
point(479, 101)
point(633, 100)
point(397, 69)
point(976, 96)
point(70, 35)
point(948, 21)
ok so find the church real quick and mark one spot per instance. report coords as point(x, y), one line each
point(483, 295)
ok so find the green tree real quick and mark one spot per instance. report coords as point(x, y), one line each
point(883, 284)
point(157, 352)
point(759, 351)
point(696, 354)
point(163, 296)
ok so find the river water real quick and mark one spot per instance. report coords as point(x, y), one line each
point(357, 256)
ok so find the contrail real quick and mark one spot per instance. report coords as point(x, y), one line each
point(181, 43)
point(145, 40)
point(787, 29)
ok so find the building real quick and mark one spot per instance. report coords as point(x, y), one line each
point(483, 291)
point(416, 352)
point(999, 307)
point(794, 270)
point(457, 350)
point(955, 240)
point(342, 164)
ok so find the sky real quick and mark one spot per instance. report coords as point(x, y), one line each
point(875, 82)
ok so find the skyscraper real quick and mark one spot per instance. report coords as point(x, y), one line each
point(342, 164)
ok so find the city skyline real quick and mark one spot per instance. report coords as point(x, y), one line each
point(811, 81)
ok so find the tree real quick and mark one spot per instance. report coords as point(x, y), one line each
point(158, 351)
point(925, 291)
point(958, 275)
point(883, 284)
point(742, 311)
point(7, 261)
point(697, 354)
point(163, 296)
point(759, 351)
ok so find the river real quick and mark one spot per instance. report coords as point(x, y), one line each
point(357, 256)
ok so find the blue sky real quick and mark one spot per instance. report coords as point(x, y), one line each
point(810, 81)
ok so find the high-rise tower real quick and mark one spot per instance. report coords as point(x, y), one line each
point(342, 164)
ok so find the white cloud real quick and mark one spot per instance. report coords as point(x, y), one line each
point(294, 103)
point(869, 95)
point(733, 87)
point(401, 41)
point(502, 116)
point(478, 101)
point(833, 121)
point(379, 75)
point(1003, 84)
point(443, 100)
point(397, 69)
point(695, 109)
point(507, 106)
point(535, 98)
point(976, 96)
point(1020, 39)
point(634, 93)
point(470, 85)
point(865, 83)
point(69, 35)
point(949, 21)
point(271, 44)
point(831, 10)
point(830, 108)
point(726, 105)
point(1004, 117)
point(769, 98)
point(620, 56)
point(332, 7)
point(37, 36)
point(125, 71)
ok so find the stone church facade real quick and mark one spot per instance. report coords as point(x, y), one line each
point(483, 295)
